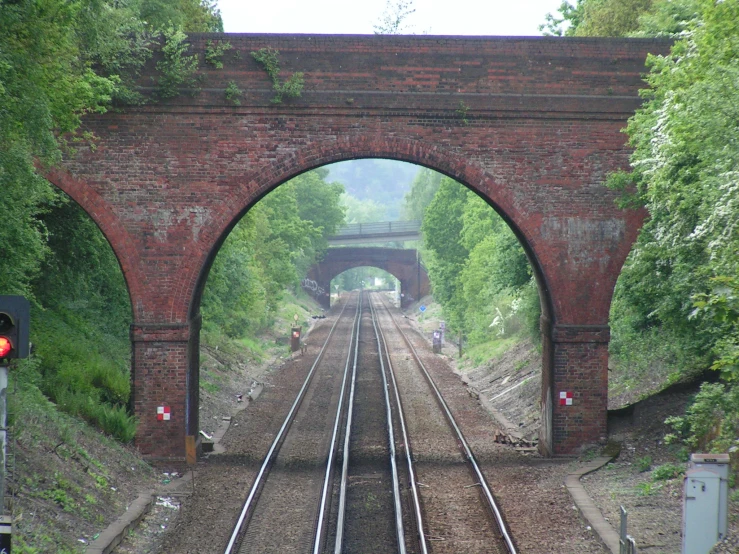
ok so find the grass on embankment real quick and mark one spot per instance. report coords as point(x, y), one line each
point(67, 481)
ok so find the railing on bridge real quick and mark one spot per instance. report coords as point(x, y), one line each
point(377, 232)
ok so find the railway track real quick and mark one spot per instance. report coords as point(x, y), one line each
point(280, 512)
point(369, 458)
point(459, 511)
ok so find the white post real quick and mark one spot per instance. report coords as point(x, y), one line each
point(5, 520)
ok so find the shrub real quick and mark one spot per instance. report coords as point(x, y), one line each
point(644, 464)
point(711, 422)
point(667, 471)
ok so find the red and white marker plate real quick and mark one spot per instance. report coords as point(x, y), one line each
point(565, 398)
point(164, 413)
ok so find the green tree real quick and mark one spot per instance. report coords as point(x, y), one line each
point(667, 18)
point(478, 270)
point(46, 84)
point(362, 211)
point(268, 251)
point(685, 173)
point(59, 60)
point(192, 16)
point(394, 20)
point(610, 18)
point(566, 22)
point(598, 18)
point(422, 192)
point(444, 252)
point(679, 282)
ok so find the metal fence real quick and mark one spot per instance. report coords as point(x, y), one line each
point(379, 228)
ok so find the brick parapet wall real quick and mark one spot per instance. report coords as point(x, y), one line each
point(399, 73)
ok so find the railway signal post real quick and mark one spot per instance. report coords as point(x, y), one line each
point(14, 343)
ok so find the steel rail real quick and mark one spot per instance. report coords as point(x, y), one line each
point(406, 440)
point(269, 458)
point(318, 537)
point(463, 442)
point(347, 436)
point(391, 440)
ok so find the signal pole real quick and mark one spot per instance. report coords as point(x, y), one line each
point(14, 343)
point(6, 522)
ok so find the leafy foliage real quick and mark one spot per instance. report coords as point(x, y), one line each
point(610, 18)
point(393, 20)
point(679, 282)
point(233, 93)
point(268, 250)
point(176, 69)
point(192, 16)
point(619, 18)
point(478, 270)
point(269, 59)
point(422, 192)
point(569, 15)
point(214, 53)
point(666, 472)
point(60, 60)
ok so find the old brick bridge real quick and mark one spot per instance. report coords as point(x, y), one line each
point(531, 124)
point(403, 264)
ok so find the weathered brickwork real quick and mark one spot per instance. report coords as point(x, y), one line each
point(401, 264)
point(580, 371)
point(160, 372)
point(532, 125)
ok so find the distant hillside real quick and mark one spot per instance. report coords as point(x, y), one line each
point(384, 181)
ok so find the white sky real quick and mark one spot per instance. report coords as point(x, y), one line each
point(435, 17)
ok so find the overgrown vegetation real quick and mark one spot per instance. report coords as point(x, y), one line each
point(233, 93)
point(676, 308)
point(478, 269)
point(269, 59)
point(176, 69)
point(214, 52)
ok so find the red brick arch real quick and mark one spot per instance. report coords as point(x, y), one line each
point(533, 125)
point(108, 223)
point(251, 187)
point(403, 264)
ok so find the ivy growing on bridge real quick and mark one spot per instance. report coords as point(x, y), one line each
point(176, 68)
point(269, 59)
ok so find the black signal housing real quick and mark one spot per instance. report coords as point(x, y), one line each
point(15, 314)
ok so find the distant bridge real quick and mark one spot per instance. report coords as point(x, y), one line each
point(403, 264)
point(385, 231)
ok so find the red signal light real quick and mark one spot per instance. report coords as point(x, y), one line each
point(5, 346)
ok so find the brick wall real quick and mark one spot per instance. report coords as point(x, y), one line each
point(532, 125)
point(400, 263)
point(159, 371)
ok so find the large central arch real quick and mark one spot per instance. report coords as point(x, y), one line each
point(532, 125)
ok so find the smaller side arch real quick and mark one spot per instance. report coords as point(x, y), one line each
point(114, 231)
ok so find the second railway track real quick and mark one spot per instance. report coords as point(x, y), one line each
point(459, 511)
